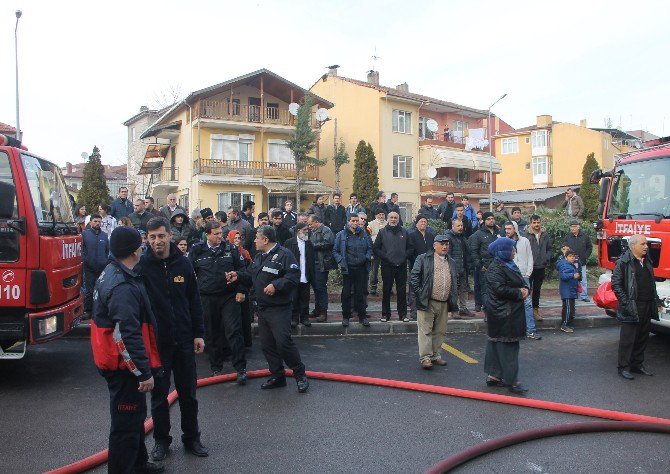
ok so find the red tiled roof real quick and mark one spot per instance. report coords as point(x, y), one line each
point(113, 172)
point(4, 128)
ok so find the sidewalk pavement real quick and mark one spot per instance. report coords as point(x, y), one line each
point(588, 316)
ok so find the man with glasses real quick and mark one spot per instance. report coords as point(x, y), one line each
point(171, 207)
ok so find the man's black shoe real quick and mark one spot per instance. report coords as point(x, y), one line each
point(274, 382)
point(365, 322)
point(197, 449)
point(626, 374)
point(160, 451)
point(642, 370)
point(303, 384)
point(150, 467)
point(345, 322)
point(241, 377)
point(307, 323)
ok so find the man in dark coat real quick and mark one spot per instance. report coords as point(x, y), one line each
point(323, 240)
point(173, 291)
point(140, 216)
point(445, 210)
point(379, 205)
point(459, 251)
point(478, 243)
point(318, 208)
point(428, 209)
point(121, 206)
point(303, 251)
point(336, 214)
point(283, 234)
point(288, 214)
point(540, 245)
point(422, 241)
point(634, 286)
point(392, 205)
point(95, 250)
point(579, 242)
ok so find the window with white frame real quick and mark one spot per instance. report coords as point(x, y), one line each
point(231, 147)
point(540, 166)
point(402, 166)
point(510, 145)
point(460, 126)
point(237, 200)
point(278, 152)
point(423, 129)
point(402, 121)
point(539, 138)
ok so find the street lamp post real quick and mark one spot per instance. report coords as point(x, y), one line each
point(16, 54)
point(488, 129)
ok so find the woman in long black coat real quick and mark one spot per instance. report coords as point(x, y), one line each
point(506, 317)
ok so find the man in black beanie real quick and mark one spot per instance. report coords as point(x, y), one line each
point(175, 299)
point(478, 244)
point(122, 325)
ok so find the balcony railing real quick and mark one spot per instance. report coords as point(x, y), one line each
point(453, 184)
point(450, 142)
point(166, 174)
point(222, 110)
point(256, 169)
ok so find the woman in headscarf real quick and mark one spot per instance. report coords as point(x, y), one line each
point(506, 317)
point(235, 238)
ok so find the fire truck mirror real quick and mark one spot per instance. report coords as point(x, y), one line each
point(604, 187)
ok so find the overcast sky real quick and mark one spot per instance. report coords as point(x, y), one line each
point(84, 68)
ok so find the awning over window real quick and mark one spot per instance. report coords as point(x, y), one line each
point(456, 158)
point(153, 158)
point(307, 188)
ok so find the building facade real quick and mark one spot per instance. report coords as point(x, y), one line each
point(551, 153)
point(226, 144)
point(136, 126)
point(116, 177)
point(424, 146)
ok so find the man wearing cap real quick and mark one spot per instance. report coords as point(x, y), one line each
point(125, 351)
point(175, 299)
point(479, 245)
point(581, 243)
point(433, 281)
point(573, 204)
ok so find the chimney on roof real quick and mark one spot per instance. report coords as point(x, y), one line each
point(144, 108)
point(582, 123)
point(543, 120)
point(373, 77)
point(68, 165)
point(332, 70)
point(402, 87)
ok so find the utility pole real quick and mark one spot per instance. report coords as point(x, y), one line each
point(19, 134)
point(488, 127)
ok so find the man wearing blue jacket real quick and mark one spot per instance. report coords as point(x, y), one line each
point(353, 253)
point(95, 249)
point(121, 206)
point(175, 300)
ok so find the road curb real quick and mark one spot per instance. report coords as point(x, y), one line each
point(389, 328)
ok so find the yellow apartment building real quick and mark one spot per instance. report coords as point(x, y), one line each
point(552, 153)
point(413, 160)
point(226, 144)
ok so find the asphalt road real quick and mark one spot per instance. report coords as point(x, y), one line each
point(55, 410)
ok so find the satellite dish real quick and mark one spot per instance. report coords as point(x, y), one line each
point(322, 115)
point(293, 108)
point(431, 173)
point(431, 125)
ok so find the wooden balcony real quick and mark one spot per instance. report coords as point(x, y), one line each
point(255, 169)
point(253, 114)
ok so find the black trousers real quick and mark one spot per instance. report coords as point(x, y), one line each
point(246, 322)
point(300, 308)
point(89, 284)
point(536, 280)
point(634, 336)
point(223, 323)
point(355, 280)
point(128, 409)
point(274, 330)
point(399, 275)
point(180, 360)
point(568, 310)
point(502, 361)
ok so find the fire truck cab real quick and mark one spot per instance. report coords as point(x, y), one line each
point(635, 199)
point(40, 252)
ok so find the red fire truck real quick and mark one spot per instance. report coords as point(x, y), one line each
point(635, 199)
point(40, 252)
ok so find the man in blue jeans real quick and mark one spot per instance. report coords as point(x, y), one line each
point(524, 260)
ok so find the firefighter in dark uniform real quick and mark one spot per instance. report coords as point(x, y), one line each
point(272, 277)
point(125, 351)
point(221, 302)
point(173, 292)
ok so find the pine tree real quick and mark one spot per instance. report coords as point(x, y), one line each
point(340, 158)
point(302, 143)
point(94, 190)
point(366, 173)
point(587, 191)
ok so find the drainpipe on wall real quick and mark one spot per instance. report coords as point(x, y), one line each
point(190, 122)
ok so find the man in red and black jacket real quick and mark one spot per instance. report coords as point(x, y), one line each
point(125, 351)
point(175, 300)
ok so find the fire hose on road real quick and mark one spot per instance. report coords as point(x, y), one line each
point(622, 421)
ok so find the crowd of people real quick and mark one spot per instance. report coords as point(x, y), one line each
point(162, 287)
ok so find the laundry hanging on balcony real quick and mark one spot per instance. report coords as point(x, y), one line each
point(476, 139)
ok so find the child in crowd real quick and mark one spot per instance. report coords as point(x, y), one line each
point(569, 276)
point(183, 246)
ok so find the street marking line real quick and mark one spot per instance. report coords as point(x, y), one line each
point(453, 351)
